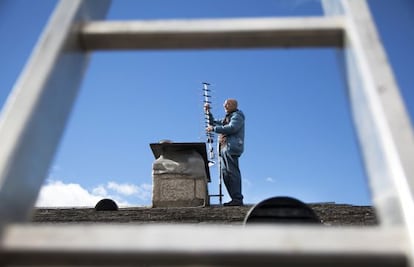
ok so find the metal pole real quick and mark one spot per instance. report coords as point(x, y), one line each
point(220, 175)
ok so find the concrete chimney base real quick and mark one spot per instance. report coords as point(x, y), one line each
point(173, 190)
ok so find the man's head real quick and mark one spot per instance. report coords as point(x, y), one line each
point(230, 105)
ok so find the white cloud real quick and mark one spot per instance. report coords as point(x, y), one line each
point(142, 192)
point(123, 189)
point(99, 190)
point(58, 194)
point(270, 180)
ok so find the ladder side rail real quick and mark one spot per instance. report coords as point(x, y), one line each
point(35, 114)
point(382, 122)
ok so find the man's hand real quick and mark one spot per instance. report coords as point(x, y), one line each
point(210, 128)
point(207, 108)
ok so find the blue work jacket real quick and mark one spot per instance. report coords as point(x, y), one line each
point(233, 130)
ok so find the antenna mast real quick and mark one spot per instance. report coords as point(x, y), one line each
point(210, 140)
point(210, 135)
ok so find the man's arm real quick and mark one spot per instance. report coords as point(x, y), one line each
point(236, 122)
point(211, 119)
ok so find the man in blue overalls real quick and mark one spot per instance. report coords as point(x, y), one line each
point(231, 139)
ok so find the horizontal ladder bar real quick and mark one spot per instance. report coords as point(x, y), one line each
point(214, 33)
point(266, 245)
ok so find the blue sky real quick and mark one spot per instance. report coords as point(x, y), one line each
point(300, 139)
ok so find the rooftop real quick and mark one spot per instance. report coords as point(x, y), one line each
point(331, 214)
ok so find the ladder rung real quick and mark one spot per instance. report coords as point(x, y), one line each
point(267, 245)
point(217, 33)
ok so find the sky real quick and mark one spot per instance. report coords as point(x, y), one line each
point(300, 139)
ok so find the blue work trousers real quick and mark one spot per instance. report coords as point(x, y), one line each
point(230, 171)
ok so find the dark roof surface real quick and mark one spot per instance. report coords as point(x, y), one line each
point(329, 213)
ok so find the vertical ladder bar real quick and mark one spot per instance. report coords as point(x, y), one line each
point(35, 114)
point(382, 122)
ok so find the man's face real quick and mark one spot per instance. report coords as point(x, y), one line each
point(229, 106)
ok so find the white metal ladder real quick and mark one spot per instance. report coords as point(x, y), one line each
point(36, 112)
